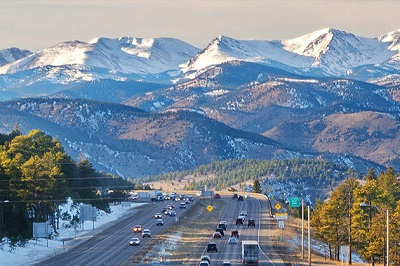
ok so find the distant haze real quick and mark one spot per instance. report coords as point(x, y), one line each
point(36, 25)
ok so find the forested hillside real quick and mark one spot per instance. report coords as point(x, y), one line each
point(222, 174)
point(36, 176)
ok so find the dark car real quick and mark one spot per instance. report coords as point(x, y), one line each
point(239, 221)
point(220, 230)
point(212, 247)
point(251, 222)
point(217, 196)
point(240, 198)
point(235, 196)
point(235, 233)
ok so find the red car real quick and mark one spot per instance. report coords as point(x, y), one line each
point(217, 235)
point(217, 196)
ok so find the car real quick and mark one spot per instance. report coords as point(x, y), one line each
point(232, 240)
point(240, 198)
point(239, 221)
point(251, 222)
point(172, 213)
point(134, 241)
point(212, 247)
point(235, 196)
point(159, 222)
point(158, 215)
point(243, 213)
point(206, 258)
point(217, 235)
point(247, 196)
point(242, 217)
point(191, 198)
point(204, 263)
point(217, 196)
point(221, 231)
point(171, 206)
point(183, 205)
point(146, 233)
point(235, 233)
point(166, 211)
point(137, 229)
point(226, 263)
point(222, 226)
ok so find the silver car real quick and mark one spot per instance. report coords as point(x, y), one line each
point(232, 240)
point(146, 233)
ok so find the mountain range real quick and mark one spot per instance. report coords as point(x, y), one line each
point(138, 106)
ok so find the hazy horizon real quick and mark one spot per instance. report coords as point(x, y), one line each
point(36, 25)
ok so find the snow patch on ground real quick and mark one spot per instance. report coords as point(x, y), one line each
point(68, 236)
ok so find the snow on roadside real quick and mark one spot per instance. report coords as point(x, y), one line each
point(36, 250)
point(320, 248)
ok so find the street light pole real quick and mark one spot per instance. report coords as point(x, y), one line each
point(387, 237)
point(387, 227)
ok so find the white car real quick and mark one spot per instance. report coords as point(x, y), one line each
point(232, 240)
point(247, 196)
point(134, 241)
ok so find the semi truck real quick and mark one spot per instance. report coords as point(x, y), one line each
point(156, 195)
point(250, 252)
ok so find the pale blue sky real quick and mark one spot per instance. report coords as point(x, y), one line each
point(36, 25)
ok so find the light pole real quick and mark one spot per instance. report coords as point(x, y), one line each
point(387, 227)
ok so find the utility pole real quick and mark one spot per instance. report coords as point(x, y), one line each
point(302, 229)
point(309, 237)
point(349, 209)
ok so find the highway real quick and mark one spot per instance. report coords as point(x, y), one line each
point(111, 247)
point(257, 208)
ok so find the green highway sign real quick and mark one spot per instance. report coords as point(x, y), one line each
point(294, 202)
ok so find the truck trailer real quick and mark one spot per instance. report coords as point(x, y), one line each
point(156, 195)
point(250, 252)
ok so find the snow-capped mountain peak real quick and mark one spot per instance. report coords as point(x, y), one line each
point(393, 38)
point(313, 44)
point(12, 54)
point(335, 51)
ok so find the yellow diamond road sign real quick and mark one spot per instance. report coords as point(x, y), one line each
point(209, 208)
point(277, 206)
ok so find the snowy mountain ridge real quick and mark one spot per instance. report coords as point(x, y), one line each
point(12, 54)
point(326, 52)
point(125, 55)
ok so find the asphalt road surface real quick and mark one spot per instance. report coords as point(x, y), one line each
point(111, 247)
